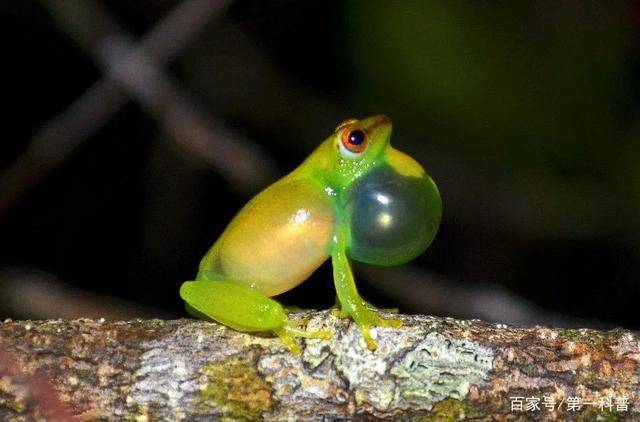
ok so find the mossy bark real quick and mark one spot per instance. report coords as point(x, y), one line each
point(430, 369)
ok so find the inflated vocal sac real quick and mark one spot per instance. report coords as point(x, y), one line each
point(392, 218)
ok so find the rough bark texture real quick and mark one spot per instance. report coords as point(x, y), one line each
point(430, 369)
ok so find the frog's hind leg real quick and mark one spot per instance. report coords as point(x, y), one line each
point(243, 308)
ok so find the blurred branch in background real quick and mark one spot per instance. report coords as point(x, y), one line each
point(417, 289)
point(40, 295)
point(136, 70)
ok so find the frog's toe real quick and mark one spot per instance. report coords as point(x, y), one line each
point(385, 310)
point(339, 312)
point(378, 320)
point(320, 334)
point(291, 330)
point(367, 318)
point(368, 339)
point(389, 322)
point(289, 341)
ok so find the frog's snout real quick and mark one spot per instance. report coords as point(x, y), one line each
point(377, 120)
point(374, 123)
point(369, 124)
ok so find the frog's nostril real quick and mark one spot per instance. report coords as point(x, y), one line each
point(381, 119)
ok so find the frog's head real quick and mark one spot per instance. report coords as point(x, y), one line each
point(390, 204)
point(353, 149)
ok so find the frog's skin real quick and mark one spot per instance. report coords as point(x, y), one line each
point(355, 197)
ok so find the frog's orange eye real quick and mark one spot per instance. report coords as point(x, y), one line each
point(354, 141)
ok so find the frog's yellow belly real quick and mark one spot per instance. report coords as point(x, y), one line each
point(277, 240)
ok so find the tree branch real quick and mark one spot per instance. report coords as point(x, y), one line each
point(431, 367)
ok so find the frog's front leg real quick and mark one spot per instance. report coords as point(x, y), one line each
point(351, 303)
point(245, 309)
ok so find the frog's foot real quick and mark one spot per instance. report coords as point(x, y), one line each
point(337, 312)
point(366, 316)
point(291, 330)
point(385, 310)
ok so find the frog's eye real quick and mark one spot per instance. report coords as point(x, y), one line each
point(354, 142)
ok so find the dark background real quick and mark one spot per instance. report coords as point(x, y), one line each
point(526, 114)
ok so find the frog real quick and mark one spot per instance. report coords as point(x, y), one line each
point(354, 198)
